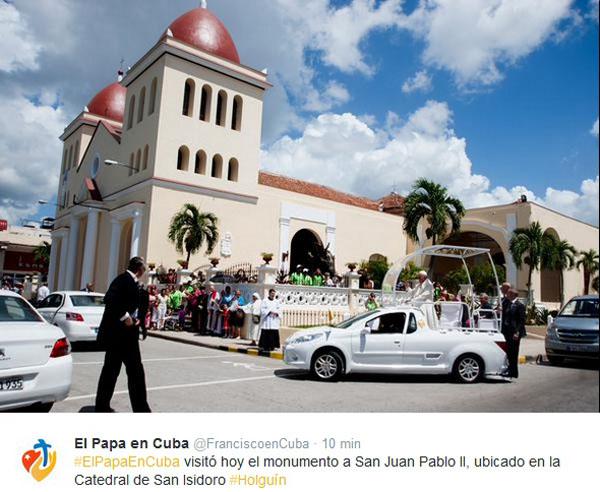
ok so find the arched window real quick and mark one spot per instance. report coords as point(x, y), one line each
point(233, 171)
point(153, 88)
point(188, 98)
point(76, 154)
point(183, 158)
point(200, 167)
point(131, 112)
point(131, 163)
point(138, 161)
point(236, 116)
point(217, 167)
point(145, 160)
point(221, 108)
point(205, 103)
point(142, 105)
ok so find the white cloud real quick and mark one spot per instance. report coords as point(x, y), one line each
point(18, 48)
point(333, 95)
point(594, 130)
point(420, 81)
point(30, 154)
point(358, 157)
point(475, 39)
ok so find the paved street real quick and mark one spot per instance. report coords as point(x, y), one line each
point(184, 378)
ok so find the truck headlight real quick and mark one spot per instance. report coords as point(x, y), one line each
point(552, 331)
point(305, 338)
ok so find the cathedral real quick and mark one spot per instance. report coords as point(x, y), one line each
point(183, 125)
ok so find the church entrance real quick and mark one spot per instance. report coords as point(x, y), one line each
point(306, 250)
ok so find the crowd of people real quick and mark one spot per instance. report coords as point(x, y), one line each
point(207, 311)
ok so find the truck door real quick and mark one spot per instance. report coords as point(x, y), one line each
point(381, 343)
point(423, 346)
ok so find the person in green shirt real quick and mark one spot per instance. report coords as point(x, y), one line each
point(297, 278)
point(307, 279)
point(371, 303)
point(318, 280)
point(176, 298)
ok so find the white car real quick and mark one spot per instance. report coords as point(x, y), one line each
point(35, 357)
point(396, 341)
point(77, 313)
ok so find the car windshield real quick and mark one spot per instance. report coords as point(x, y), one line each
point(581, 308)
point(87, 301)
point(350, 321)
point(15, 309)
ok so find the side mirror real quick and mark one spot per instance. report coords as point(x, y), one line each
point(554, 313)
point(366, 330)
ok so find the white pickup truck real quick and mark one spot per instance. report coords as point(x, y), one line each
point(396, 340)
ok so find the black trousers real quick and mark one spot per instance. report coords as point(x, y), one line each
point(123, 350)
point(512, 349)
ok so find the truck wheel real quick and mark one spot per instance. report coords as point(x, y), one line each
point(327, 366)
point(468, 369)
point(555, 360)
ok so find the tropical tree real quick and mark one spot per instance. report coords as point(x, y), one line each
point(558, 255)
point(190, 230)
point(41, 253)
point(526, 246)
point(431, 202)
point(588, 262)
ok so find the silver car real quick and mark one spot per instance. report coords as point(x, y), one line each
point(574, 331)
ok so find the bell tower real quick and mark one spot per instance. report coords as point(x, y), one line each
point(209, 106)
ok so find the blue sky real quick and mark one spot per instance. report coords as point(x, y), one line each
point(532, 127)
point(492, 98)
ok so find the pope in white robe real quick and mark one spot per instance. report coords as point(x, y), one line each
point(422, 296)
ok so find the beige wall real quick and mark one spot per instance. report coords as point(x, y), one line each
point(255, 227)
point(496, 222)
point(176, 129)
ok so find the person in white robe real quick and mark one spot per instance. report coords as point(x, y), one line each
point(270, 313)
point(253, 309)
point(422, 296)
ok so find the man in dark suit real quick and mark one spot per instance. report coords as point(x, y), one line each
point(119, 336)
point(513, 329)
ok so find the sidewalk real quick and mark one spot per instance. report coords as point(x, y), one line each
point(224, 344)
point(532, 347)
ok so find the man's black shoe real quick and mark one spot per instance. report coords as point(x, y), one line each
point(105, 410)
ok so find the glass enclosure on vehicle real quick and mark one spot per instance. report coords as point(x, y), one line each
point(441, 313)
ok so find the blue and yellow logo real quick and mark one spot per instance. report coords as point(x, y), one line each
point(39, 461)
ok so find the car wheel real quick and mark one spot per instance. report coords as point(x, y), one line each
point(555, 360)
point(42, 407)
point(468, 369)
point(327, 366)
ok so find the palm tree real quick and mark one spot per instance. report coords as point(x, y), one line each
point(588, 260)
point(190, 230)
point(526, 246)
point(431, 201)
point(558, 255)
point(41, 253)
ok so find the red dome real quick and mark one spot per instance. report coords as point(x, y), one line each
point(202, 29)
point(109, 102)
